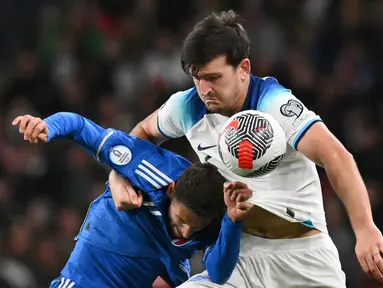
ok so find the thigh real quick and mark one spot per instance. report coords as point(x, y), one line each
point(238, 279)
point(318, 267)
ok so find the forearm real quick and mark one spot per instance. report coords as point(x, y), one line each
point(64, 124)
point(74, 127)
point(348, 184)
point(139, 131)
point(148, 130)
point(222, 258)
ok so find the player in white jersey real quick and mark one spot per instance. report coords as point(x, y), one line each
point(285, 243)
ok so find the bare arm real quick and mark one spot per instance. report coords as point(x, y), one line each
point(148, 130)
point(322, 147)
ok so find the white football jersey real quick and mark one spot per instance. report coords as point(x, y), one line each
point(292, 191)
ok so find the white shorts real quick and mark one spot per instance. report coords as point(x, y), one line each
point(282, 263)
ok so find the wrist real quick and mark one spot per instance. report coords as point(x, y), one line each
point(232, 218)
point(363, 228)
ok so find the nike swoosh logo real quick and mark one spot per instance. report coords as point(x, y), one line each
point(200, 148)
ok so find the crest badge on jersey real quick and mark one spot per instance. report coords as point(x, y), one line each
point(292, 108)
point(120, 155)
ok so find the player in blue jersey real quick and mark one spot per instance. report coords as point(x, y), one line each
point(286, 240)
point(131, 249)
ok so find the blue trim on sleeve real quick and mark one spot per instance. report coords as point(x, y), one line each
point(162, 131)
point(303, 131)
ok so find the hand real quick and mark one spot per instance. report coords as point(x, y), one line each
point(235, 193)
point(369, 251)
point(123, 193)
point(34, 129)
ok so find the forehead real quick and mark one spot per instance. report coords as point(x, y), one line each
point(188, 216)
point(216, 66)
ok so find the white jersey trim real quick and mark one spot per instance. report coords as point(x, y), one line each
point(151, 174)
point(66, 283)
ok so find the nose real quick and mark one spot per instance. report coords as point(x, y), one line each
point(187, 231)
point(204, 87)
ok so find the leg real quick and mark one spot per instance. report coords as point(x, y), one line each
point(238, 279)
point(299, 263)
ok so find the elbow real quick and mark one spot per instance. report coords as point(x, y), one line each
point(219, 279)
point(219, 274)
point(338, 157)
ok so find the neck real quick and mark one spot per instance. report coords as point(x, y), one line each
point(241, 98)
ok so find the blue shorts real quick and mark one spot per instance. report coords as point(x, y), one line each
point(93, 267)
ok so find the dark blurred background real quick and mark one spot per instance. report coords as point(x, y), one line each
point(116, 61)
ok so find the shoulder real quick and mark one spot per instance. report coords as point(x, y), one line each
point(269, 90)
point(183, 109)
point(270, 87)
point(186, 100)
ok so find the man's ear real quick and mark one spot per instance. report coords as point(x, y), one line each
point(171, 189)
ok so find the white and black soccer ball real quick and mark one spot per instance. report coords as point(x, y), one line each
point(252, 143)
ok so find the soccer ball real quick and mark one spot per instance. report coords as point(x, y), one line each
point(251, 143)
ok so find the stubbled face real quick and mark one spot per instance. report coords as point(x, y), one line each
point(223, 87)
point(183, 222)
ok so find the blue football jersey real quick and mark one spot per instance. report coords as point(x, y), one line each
point(142, 232)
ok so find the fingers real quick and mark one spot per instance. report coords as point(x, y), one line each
point(42, 138)
point(234, 185)
point(227, 187)
point(30, 128)
point(238, 185)
point(33, 128)
point(243, 194)
point(17, 120)
point(239, 195)
point(128, 198)
point(244, 206)
point(364, 265)
point(131, 195)
point(40, 128)
point(378, 260)
point(240, 212)
point(24, 122)
point(140, 198)
point(372, 267)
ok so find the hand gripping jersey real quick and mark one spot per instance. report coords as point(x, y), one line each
point(292, 191)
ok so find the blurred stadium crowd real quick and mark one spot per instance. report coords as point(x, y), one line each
point(117, 61)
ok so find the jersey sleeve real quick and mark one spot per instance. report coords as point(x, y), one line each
point(221, 258)
point(74, 127)
point(293, 116)
point(147, 166)
point(182, 110)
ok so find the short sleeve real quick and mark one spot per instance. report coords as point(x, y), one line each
point(294, 117)
point(180, 113)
